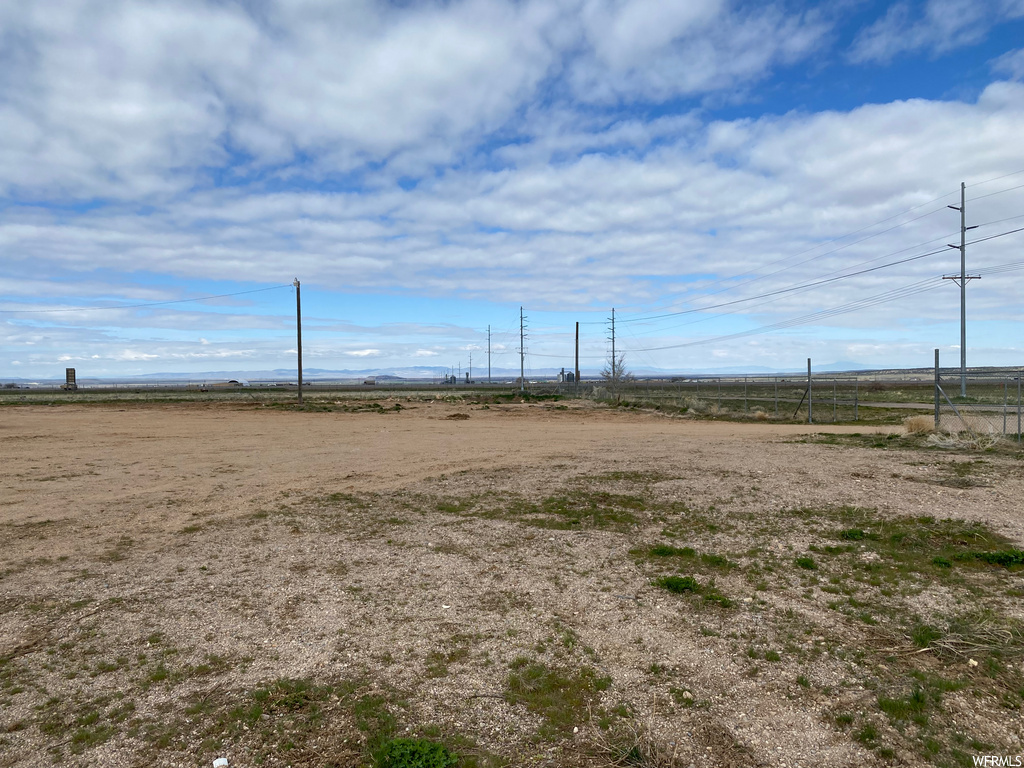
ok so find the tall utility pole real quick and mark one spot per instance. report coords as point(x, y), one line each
point(298, 328)
point(961, 280)
point(522, 354)
point(488, 354)
point(613, 368)
point(577, 379)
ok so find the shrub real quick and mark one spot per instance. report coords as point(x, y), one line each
point(807, 563)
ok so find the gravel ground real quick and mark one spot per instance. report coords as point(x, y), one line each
point(163, 566)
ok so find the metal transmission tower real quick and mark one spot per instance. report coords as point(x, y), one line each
point(961, 280)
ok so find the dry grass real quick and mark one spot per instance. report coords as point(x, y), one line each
point(976, 441)
point(919, 425)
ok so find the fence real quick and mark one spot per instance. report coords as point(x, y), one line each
point(830, 398)
point(992, 408)
point(994, 405)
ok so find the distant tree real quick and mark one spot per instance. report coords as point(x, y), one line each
point(615, 371)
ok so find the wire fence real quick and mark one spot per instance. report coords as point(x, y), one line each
point(992, 407)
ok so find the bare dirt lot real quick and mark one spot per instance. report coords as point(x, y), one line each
point(524, 583)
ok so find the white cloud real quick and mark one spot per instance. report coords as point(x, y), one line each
point(938, 27)
point(363, 353)
point(130, 100)
point(652, 51)
point(1011, 63)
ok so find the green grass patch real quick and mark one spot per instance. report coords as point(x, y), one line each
point(679, 584)
point(564, 698)
point(414, 753)
point(1008, 558)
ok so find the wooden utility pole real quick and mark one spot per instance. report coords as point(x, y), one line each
point(488, 354)
point(298, 329)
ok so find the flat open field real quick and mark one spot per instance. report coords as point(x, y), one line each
point(525, 583)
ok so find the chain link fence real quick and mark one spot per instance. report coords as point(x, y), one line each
point(991, 409)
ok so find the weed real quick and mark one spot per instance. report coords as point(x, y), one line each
point(563, 698)
point(807, 563)
point(867, 735)
point(414, 753)
point(911, 707)
point(666, 550)
point(679, 584)
point(1006, 558)
point(924, 635)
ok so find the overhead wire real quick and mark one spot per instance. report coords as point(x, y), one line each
point(834, 250)
point(919, 287)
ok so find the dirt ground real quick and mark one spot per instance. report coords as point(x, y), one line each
point(184, 582)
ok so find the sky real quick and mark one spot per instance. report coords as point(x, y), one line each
point(747, 184)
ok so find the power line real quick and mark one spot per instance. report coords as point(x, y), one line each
point(887, 296)
point(831, 252)
point(891, 295)
point(997, 178)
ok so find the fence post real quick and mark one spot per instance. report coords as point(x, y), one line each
point(719, 392)
point(745, 408)
point(833, 401)
point(776, 397)
point(856, 396)
point(1005, 403)
point(1018, 405)
point(810, 396)
point(936, 390)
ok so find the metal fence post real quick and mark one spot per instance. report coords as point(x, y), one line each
point(719, 392)
point(936, 390)
point(833, 401)
point(856, 397)
point(776, 397)
point(745, 408)
point(1005, 403)
point(1018, 405)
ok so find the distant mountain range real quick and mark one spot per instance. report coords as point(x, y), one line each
point(422, 372)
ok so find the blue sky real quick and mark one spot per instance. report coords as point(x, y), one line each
point(748, 184)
